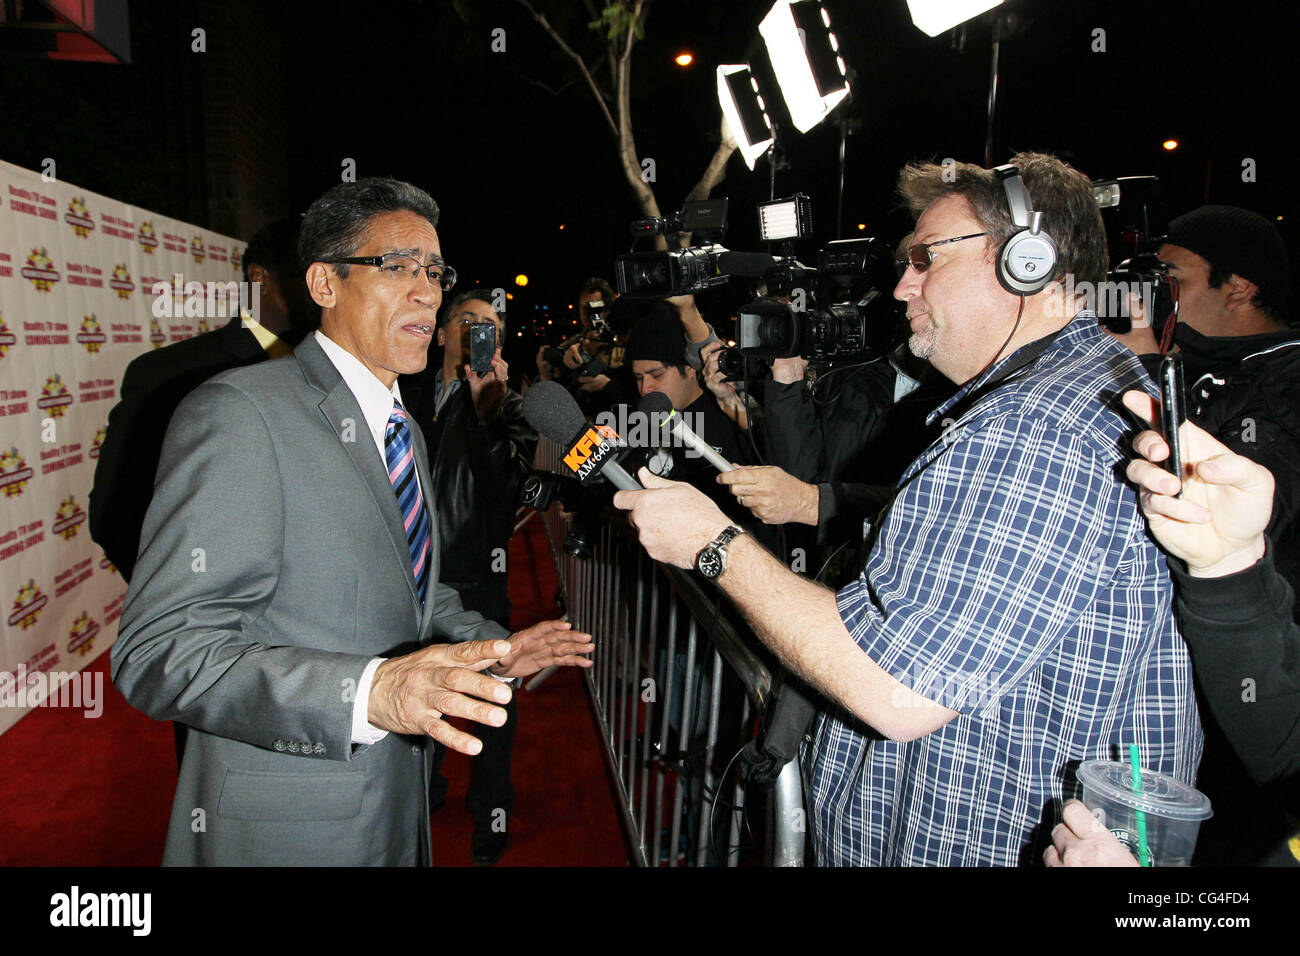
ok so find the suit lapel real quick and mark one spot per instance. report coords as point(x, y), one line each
point(340, 408)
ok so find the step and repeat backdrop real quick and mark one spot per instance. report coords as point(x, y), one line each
point(79, 298)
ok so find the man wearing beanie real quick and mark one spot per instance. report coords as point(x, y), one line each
point(656, 352)
point(1242, 365)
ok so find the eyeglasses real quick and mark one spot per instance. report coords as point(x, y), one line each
point(919, 257)
point(398, 265)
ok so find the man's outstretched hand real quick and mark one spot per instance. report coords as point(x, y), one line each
point(545, 644)
point(415, 693)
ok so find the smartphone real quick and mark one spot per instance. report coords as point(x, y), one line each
point(480, 345)
point(1173, 411)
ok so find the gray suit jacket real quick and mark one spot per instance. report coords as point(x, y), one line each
point(273, 567)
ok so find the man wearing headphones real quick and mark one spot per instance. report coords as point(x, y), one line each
point(1013, 617)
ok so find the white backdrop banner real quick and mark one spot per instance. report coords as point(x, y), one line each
point(77, 279)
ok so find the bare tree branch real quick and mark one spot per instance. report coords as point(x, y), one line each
point(569, 51)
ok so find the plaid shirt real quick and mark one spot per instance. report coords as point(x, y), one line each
point(1012, 581)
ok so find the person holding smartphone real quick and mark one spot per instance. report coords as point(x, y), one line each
point(1234, 608)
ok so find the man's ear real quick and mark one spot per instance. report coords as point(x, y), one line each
point(1240, 292)
point(322, 284)
point(442, 335)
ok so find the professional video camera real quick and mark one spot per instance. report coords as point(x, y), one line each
point(845, 313)
point(675, 271)
point(1133, 213)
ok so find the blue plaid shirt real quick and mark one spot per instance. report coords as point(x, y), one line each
point(1014, 582)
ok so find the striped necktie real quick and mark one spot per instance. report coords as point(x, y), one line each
point(399, 452)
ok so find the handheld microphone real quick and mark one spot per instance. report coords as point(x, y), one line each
point(551, 410)
point(658, 404)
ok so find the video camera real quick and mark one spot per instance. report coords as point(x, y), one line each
point(845, 313)
point(1133, 213)
point(677, 271)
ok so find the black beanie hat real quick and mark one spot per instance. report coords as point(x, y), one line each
point(658, 336)
point(1235, 240)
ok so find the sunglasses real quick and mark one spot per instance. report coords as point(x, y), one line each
point(919, 256)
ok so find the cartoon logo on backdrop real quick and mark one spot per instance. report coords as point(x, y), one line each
point(40, 270)
point(121, 282)
point(82, 636)
point(91, 336)
point(27, 606)
point(55, 397)
point(14, 473)
point(145, 236)
point(156, 335)
point(236, 259)
point(69, 518)
point(99, 440)
point(78, 217)
point(7, 338)
point(197, 250)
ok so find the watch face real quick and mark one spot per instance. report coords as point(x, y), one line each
point(709, 563)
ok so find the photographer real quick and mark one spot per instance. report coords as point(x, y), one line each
point(589, 351)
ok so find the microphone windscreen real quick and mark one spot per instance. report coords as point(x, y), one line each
point(655, 402)
point(552, 412)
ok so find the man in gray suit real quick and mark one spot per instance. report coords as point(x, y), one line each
point(287, 583)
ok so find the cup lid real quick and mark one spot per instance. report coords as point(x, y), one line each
point(1160, 794)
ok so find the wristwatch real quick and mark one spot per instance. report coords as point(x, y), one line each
point(712, 559)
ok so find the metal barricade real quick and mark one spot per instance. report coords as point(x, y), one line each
point(673, 718)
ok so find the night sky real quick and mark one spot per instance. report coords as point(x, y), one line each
point(413, 89)
point(416, 92)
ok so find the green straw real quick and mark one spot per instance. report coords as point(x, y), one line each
point(1144, 853)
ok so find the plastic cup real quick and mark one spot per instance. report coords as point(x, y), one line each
point(1173, 810)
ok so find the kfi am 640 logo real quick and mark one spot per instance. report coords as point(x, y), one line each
point(79, 218)
point(98, 440)
point(236, 259)
point(203, 325)
point(40, 271)
point(156, 335)
point(82, 636)
point(27, 606)
point(121, 282)
point(7, 338)
point(69, 518)
point(91, 335)
point(145, 236)
point(197, 249)
point(14, 473)
point(55, 397)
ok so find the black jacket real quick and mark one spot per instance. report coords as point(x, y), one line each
point(1245, 391)
point(152, 387)
point(477, 472)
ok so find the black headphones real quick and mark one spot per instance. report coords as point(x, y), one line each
point(1027, 261)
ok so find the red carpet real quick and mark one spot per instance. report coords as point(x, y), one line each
point(79, 792)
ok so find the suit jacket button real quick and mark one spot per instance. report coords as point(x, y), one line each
point(279, 745)
point(293, 746)
point(415, 748)
point(306, 746)
point(319, 748)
